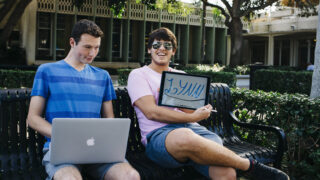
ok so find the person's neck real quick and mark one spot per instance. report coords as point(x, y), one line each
point(158, 68)
point(76, 64)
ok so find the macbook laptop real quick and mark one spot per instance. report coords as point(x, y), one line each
point(89, 140)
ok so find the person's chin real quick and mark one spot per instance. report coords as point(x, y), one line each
point(88, 61)
point(162, 63)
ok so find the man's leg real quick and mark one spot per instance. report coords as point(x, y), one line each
point(156, 150)
point(61, 171)
point(68, 173)
point(111, 171)
point(184, 144)
point(122, 171)
point(222, 173)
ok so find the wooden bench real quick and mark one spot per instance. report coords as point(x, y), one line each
point(21, 147)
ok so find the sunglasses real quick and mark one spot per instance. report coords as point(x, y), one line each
point(158, 44)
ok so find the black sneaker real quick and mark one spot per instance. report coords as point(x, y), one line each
point(259, 171)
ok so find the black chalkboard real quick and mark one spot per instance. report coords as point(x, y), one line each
point(183, 90)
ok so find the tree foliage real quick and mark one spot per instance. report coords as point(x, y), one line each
point(299, 3)
point(307, 7)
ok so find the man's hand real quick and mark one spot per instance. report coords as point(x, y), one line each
point(202, 112)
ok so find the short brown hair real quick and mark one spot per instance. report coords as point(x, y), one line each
point(85, 26)
point(162, 34)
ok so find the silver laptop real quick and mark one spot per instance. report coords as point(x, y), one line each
point(89, 140)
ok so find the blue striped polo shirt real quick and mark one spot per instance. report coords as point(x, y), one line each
point(70, 93)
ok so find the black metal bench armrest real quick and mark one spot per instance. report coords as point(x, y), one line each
point(282, 141)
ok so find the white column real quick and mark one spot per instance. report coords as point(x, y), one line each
point(309, 50)
point(270, 50)
point(28, 31)
point(228, 49)
point(296, 52)
point(280, 53)
point(291, 52)
point(294, 48)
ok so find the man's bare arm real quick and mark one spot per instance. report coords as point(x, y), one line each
point(152, 111)
point(186, 110)
point(107, 109)
point(35, 119)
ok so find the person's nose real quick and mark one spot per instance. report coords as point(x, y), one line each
point(92, 52)
point(162, 47)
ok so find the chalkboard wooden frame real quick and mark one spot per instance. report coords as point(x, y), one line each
point(169, 101)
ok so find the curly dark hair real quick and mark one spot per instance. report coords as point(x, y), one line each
point(85, 26)
point(162, 34)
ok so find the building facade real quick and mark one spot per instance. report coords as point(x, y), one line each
point(281, 38)
point(46, 26)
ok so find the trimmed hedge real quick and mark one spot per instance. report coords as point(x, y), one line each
point(123, 76)
point(223, 77)
point(217, 77)
point(16, 78)
point(298, 115)
point(283, 81)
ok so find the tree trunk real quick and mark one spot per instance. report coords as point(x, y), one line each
point(315, 88)
point(12, 21)
point(236, 41)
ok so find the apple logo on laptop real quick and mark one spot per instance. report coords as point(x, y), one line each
point(90, 142)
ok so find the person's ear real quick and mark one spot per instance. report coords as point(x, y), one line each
point(149, 51)
point(72, 42)
point(173, 52)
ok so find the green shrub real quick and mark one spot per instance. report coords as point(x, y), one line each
point(283, 81)
point(297, 115)
point(223, 77)
point(217, 77)
point(240, 70)
point(123, 76)
point(285, 68)
point(16, 78)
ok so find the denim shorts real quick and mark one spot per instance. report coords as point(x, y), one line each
point(94, 171)
point(157, 152)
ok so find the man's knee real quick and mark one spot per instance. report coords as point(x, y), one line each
point(133, 174)
point(67, 173)
point(222, 173)
point(182, 138)
point(122, 171)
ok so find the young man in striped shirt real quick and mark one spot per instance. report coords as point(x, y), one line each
point(71, 88)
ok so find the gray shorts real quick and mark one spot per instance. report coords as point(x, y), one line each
point(94, 171)
point(157, 152)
